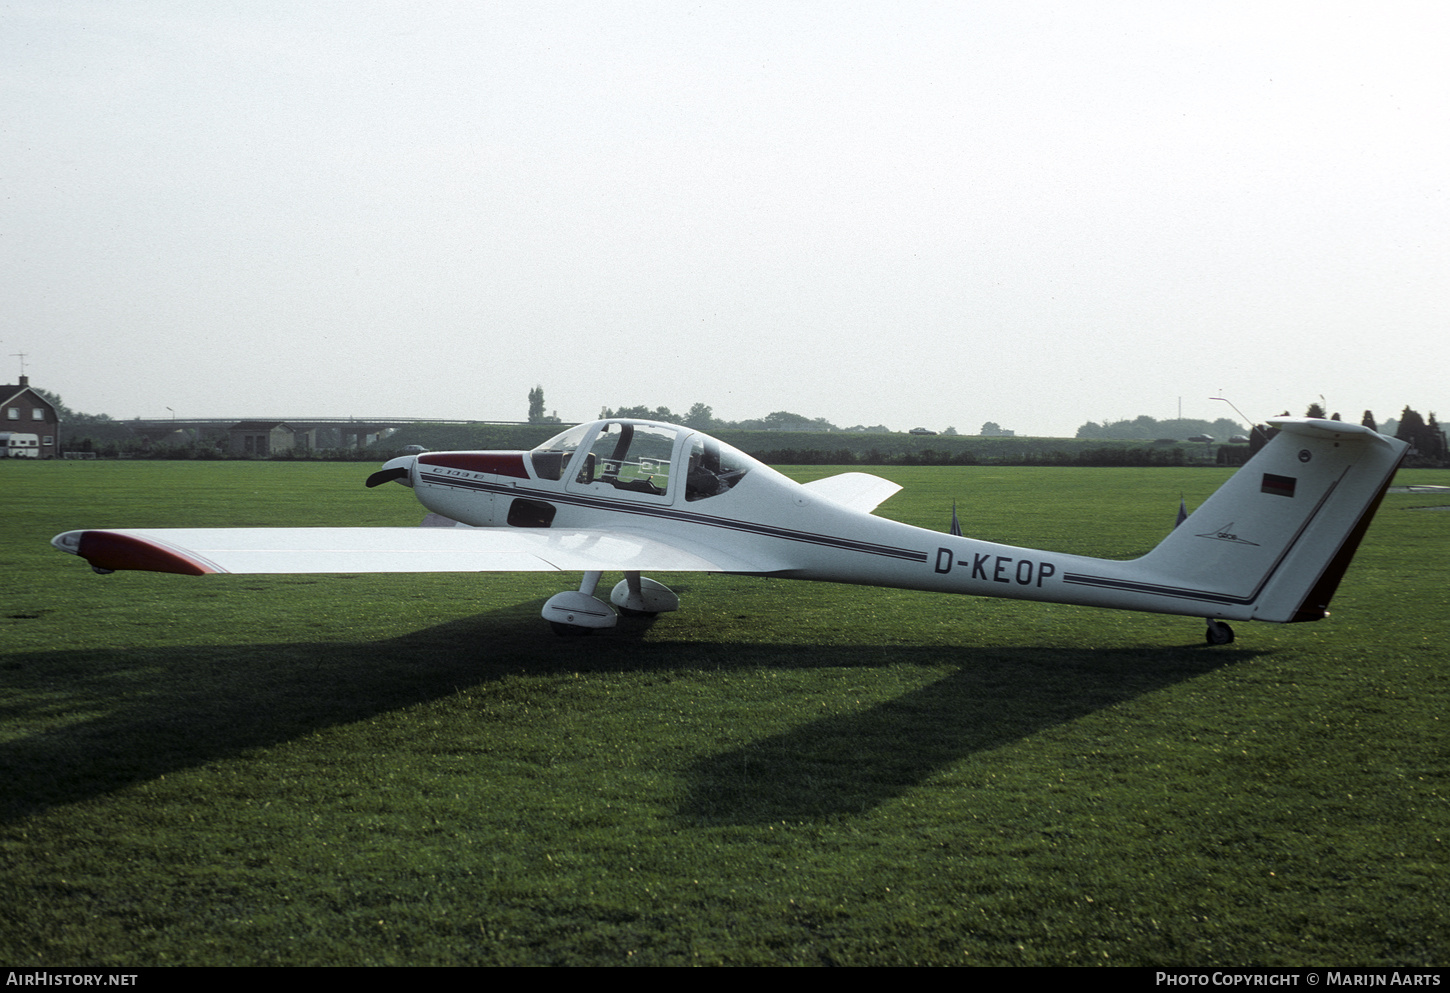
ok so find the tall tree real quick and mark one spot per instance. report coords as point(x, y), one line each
point(61, 410)
point(1315, 411)
point(1368, 421)
point(1411, 424)
point(700, 417)
point(1435, 438)
point(1426, 440)
point(536, 405)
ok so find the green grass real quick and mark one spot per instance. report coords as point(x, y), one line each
point(412, 770)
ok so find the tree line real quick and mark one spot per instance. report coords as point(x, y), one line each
point(1145, 428)
point(702, 417)
point(1424, 435)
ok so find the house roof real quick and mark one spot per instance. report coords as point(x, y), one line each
point(10, 392)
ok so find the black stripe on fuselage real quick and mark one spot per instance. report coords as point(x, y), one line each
point(667, 513)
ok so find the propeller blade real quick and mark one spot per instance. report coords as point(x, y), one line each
point(387, 475)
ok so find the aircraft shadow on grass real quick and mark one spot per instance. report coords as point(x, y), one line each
point(142, 713)
point(849, 763)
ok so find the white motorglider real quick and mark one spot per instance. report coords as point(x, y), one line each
point(637, 496)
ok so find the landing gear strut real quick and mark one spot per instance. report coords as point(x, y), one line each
point(579, 612)
point(640, 596)
point(1219, 633)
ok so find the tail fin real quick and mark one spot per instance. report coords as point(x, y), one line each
point(1274, 541)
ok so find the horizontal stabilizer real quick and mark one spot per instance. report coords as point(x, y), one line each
point(854, 490)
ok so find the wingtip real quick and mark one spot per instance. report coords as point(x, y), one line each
point(69, 542)
point(109, 551)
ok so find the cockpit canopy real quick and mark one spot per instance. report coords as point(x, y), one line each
point(643, 457)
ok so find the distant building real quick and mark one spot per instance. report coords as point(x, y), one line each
point(264, 438)
point(26, 411)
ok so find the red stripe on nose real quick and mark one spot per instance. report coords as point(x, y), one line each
point(497, 463)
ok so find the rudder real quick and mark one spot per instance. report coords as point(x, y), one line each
point(1274, 541)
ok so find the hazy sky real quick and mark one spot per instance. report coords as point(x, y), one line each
point(902, 213)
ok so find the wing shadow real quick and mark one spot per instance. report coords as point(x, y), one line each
point(135, 714)
point(849, 763)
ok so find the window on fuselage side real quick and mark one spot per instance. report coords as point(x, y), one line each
point(550, 458)
point(631, 457)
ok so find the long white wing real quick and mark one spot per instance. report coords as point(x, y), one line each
point(196, 551)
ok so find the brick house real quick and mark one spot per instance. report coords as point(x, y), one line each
point(25, 411)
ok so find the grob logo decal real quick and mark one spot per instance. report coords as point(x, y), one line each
point(1226, 533)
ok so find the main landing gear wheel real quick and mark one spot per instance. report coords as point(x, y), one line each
point(578, 612)
point(640, 596)
point(1219, 633)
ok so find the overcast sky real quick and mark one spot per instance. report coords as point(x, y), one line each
point(904, 213)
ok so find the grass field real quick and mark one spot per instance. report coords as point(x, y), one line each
point(413, 770)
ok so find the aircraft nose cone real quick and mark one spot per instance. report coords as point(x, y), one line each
point(400, 468)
